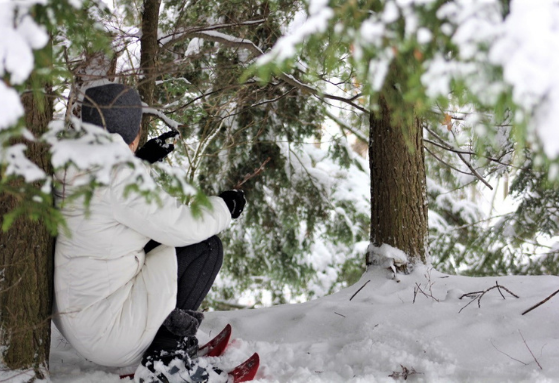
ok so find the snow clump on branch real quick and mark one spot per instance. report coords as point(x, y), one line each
point(20, 36)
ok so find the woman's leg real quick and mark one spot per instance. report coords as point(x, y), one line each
point(198, 266)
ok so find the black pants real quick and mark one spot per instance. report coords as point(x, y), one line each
point(198, 266)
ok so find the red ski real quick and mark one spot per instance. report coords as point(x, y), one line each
point(247, 370)
point(217, 345)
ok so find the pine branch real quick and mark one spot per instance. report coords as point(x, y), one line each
point(211, 34)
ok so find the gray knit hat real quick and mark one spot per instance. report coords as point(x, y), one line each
point(116, 107)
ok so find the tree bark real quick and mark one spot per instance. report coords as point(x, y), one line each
point(398, 183)
point(148, 59)
point(26, 256)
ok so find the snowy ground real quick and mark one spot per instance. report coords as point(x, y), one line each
point(369, 338)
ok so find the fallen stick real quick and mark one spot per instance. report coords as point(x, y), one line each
point(529, 349)
point(361, 288)
point(541, 303)
point(477, 295)
point(504, 353)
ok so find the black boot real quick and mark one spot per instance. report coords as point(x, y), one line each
point(171, 358)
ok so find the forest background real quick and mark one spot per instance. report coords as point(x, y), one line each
point(342, 121)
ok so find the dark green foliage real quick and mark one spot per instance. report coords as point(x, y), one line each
point(232, 128)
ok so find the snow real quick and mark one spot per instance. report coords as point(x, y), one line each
point(317, 22)
point(194, 47)
point(18, 164)
point(528, 51)
point(417, 321)
point(390, 13)
point(387, 255)
point(20, 35)
point(10, 106)
point(18, 41)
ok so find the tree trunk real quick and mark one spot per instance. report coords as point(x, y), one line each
point(148, 58)
point(398, 190)
point(26, 256)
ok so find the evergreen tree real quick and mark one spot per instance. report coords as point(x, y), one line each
point(451, 74)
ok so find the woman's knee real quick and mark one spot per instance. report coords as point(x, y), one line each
point(216, 249)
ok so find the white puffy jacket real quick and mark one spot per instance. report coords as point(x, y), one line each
point(110, 297)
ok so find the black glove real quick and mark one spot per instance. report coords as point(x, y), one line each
point(235, 201)
point(157, 149)
point(183, 322)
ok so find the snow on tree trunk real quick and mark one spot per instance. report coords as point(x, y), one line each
point(148, 59)
point(26, 256)
point(398, 184)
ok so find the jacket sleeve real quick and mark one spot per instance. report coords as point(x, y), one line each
point(168, 222)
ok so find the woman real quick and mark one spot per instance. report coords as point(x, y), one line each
point(117, 302)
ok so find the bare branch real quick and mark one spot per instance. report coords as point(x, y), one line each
point(418, 289)
point(446, 163)
point(406, 372)
point(361, 288)
point(176, 37)
point(273, 100)
point(504, 353)
point(174, 125)
point(541, 303)
point(477, 295)
point(360, 136)
point(466, 162)
point(254, 174)
point(533, 356)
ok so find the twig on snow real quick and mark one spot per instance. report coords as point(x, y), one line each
point(404, 374)
point(504, 353)
point(541, 303)
point(361, 288)
point(418, 289)
point(477, 295)
point(531, 353)
point(342, 315)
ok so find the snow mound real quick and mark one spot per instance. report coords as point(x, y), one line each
point(381, 327)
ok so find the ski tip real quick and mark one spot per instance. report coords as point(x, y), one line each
point(228, 328)
point(247, 370)
point(255, 357)
point(217, 345)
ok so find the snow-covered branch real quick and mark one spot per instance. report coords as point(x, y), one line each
point(236, 42)
point(176, 37)
point(175, 125)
